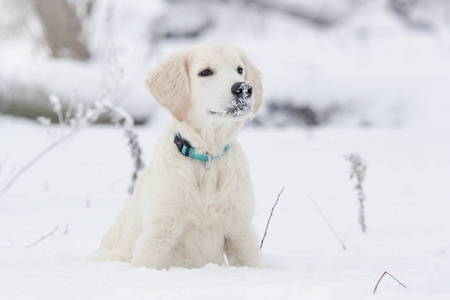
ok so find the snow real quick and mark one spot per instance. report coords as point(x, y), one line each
point(377, 70)
point(243, 104)
point(81, 186)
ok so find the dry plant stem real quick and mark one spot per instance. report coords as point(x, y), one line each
point(37, 158)
point(326, 221)
point(382, 278)
point(136, 155)
point(84, 118)
point(270, 217)
point(43, 237)
point(358, 170)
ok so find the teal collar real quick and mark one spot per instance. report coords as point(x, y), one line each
point(186, 149)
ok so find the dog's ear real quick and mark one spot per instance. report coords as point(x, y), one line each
point(169, 84)
point(253, 75)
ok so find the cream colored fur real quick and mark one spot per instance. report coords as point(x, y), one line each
point(182, 215)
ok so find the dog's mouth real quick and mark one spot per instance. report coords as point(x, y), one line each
point(236, 108)
point(233, 111)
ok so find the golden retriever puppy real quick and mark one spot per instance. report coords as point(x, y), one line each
point(195, 202)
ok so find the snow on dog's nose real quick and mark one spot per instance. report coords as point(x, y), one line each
point(242, 90)
point(242, 102)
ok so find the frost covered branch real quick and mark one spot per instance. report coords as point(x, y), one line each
point(376, 287)
point(120, 117)
point(78, 117)
point(136, 155)
point(270, 217)
point(81, 119)
point(43, 237)
point(358, 170)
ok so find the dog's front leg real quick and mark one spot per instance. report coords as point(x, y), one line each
point(241, 247)
point(155, 245)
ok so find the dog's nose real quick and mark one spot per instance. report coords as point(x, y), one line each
point(242, 90)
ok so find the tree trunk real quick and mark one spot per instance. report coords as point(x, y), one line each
point(62, 29)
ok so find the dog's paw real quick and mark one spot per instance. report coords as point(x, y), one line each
point(138, 263)
point(251, 262)
point(147, 263)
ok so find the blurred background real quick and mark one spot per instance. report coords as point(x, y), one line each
point(359, 63)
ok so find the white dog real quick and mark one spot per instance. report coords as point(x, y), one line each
point(195, 202)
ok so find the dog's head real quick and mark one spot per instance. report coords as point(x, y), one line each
point(212, 82)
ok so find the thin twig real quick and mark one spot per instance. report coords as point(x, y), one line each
point(270, 217)
point(326, 221)
point(36, 159)
point(382, 278)
point(43, 237)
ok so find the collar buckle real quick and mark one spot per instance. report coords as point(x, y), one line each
point(183, 146)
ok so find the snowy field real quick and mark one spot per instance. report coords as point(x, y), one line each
point(388, 81)
point(81, 186)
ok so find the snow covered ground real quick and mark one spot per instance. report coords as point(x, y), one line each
point(378, 71)
point(81, 186)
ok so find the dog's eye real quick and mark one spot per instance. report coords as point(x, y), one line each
point(206, 72)
point(239, 70)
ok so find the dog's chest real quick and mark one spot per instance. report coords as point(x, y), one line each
point(207, 180)
point(213, 203)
